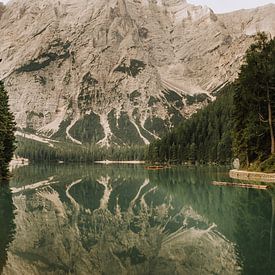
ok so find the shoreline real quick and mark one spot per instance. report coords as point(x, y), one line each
point(120, 162)
point(254, 176)
point(17, 162)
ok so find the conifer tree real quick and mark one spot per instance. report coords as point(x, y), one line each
point(254, 102)
point(7, 128)
point(204, 138)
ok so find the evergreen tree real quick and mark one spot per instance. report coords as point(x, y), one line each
point(244, 112)
point(204, 138)
point(254, 102)
point(7, 128)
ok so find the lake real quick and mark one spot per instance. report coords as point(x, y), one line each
point(124, 219)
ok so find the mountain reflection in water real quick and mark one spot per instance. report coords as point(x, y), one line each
point(126, 220)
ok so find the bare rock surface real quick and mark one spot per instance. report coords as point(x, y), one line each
point(122, 71)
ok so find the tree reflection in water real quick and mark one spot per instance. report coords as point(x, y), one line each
point(7, 226)
point(127, 220)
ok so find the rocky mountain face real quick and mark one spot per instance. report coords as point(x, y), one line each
point(2, 8)
point(118, 71)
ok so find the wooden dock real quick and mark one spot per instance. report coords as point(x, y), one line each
point(242, 185)
point(252, 176)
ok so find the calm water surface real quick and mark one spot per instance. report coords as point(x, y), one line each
point(119, 219)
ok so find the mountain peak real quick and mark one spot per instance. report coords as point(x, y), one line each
point(181, 10)
point(117, 71)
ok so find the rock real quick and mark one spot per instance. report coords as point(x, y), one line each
point(236, 164)
point(2, 8)
point(119, 71)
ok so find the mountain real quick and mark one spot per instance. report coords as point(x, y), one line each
point(118, 71)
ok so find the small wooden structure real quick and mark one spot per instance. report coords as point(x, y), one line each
point(252, 176)
point(155, 167)
point(242, 185)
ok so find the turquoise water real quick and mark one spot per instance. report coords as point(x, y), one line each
point(123, 219)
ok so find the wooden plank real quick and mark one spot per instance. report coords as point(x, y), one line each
point(242, 185)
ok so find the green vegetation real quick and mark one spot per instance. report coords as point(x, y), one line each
point(124, 129)
point(134, 95)
point(70, 152)
point(175, 115)
point(174, 98)
point(205, 137)
point(240, 123)
point(61, 133)
point(254, 103)
point(7, 128)
point(88, 129)
point(46, 58)
point(31, 118)
point(197, 98)
point(156, 125)
point(152, 101)
point(135, 67)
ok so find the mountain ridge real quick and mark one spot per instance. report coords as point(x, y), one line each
point(118, 72)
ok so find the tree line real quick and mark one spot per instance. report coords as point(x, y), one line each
point(204, 138)
point(69, 152)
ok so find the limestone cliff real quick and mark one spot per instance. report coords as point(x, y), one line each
point(118, 71)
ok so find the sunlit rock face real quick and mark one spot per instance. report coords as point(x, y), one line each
point(117, 224)
point(123, 71)
point(2, 8)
